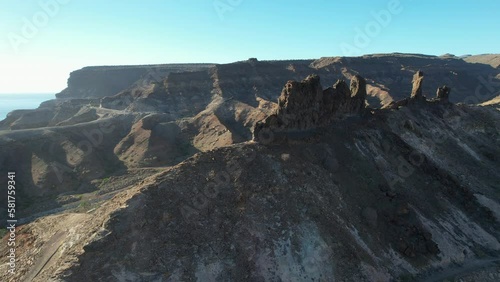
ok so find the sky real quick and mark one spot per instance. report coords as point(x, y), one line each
point(42, 41)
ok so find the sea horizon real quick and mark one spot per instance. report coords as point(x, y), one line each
point(21, 101)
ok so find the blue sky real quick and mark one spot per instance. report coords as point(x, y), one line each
point(42, 41)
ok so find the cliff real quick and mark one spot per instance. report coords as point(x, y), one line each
point(387, 74)
point(92, 82)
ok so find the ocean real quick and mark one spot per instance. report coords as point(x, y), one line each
point(10, 102)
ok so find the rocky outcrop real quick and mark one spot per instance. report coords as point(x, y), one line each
point(299, 105)
point(358, 93)
point(418, 79)
point(443, 93)
point(416, 97)
point(305, 105)
point(389, 75)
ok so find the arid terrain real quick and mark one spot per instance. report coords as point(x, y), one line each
point(383, 167)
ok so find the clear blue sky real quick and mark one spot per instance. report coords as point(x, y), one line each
point(71, 34)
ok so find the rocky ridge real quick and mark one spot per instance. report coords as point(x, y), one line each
point(350, 192)
point(196, 107)
point(304, 105)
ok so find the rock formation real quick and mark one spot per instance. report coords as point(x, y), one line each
point(443, 93)
point(416, 92)
point(299, 105)
point(358, 93)
point(304, 105)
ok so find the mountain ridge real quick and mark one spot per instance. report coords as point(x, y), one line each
point(168, 178)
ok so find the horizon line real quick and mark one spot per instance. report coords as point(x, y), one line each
point(29, 93)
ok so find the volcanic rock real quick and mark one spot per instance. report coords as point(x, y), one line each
point(358, 93)
point(374, 196)
point(443, 93)
point(299, 103)
point(416, 92)
point(304, 105)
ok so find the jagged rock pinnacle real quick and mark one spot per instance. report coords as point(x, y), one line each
point(358, 92)
point(299, 103)
point(442, 94)
point(416, 92)
point(304, 105)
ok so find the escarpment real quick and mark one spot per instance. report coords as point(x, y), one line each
point(104, 81)
point(388, 76)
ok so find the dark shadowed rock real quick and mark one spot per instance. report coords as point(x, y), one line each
point(304, 105)
point(299, 103)
point(370, 216)
point(341, 97)
point(443, 93)
point(358, 86)
point(358, 93)
point(342, 88)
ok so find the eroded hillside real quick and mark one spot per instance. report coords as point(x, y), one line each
point(110, 119)
point(162, 181)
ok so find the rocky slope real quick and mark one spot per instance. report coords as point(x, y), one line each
point(332, 188)
point(490, 59)
point(110, 119)
point(182, 90)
